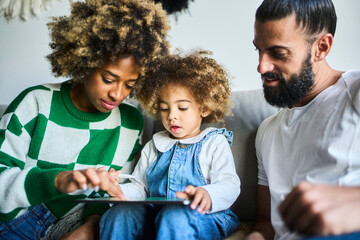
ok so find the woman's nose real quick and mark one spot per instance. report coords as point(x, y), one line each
point(116, 92)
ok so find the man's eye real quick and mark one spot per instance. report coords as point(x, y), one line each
point(279, 54)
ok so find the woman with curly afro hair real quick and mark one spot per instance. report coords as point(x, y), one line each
point(66, 141)
point(183, 160)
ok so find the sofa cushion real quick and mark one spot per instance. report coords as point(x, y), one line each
point(250, 109)
point(2, 109)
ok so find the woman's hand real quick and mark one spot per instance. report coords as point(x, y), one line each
point(114, 175)
point(97, 178)
point(200, 198)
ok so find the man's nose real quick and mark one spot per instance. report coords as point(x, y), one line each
point(265, 64)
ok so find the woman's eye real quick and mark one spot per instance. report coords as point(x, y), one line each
point(129, 86)
point(105, 80)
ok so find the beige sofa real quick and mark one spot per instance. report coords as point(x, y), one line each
point(249, 110)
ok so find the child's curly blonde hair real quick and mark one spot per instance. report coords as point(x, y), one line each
point(97, 30)
point(203, 76)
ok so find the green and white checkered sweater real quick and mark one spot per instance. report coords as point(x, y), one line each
point(43, 133)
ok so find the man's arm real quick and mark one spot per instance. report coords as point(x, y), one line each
point(263, 228)
point(314, 209)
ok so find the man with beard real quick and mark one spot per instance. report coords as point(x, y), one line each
point(309, 152)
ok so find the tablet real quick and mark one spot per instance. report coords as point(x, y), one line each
point(153, 200)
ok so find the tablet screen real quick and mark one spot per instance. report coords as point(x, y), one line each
point(153, 200)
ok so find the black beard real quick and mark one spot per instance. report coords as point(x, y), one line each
point(288, 93)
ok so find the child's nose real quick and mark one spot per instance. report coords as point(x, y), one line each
point(172, 115)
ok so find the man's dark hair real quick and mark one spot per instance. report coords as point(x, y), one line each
point(314, 16)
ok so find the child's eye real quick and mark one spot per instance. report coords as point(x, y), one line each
point(164, 109)
point(183, 109)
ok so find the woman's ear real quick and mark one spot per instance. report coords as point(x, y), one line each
point(323, 46)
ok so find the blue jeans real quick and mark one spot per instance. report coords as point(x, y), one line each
point(132, 221)
point(30, 225)
point(350, 236)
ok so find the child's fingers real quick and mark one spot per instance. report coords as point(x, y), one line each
point(182, 195)
point(204, 206)
point(195, 202)
point(191, 190)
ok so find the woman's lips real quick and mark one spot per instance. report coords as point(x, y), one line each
point(108, 104)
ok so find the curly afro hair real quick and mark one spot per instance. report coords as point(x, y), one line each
point(174, 6)
point(97, 30)
point(203, 76)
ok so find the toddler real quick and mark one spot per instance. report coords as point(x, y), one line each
point(183, 161)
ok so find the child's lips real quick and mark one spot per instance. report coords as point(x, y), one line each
point(174, 128)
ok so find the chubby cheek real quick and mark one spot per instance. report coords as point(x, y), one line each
point(164, 119)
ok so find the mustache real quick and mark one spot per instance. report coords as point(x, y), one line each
point(272, 75)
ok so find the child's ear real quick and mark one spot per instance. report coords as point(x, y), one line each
point(205, 112)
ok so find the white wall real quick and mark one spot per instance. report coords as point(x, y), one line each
point(223, 26)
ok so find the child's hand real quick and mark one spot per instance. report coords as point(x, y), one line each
point(200, 198)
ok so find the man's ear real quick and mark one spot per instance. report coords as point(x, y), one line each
point(205, 112)
point(323, 46)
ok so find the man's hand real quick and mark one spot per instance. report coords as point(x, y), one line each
point(255, 236)
point(200, 198)
point(313, 209)
point(97, 178)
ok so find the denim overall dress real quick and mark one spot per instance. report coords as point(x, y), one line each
point(172, 171)
point(179, 167)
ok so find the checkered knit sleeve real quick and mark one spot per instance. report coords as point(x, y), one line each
point(43, 133)
point(16, 133)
